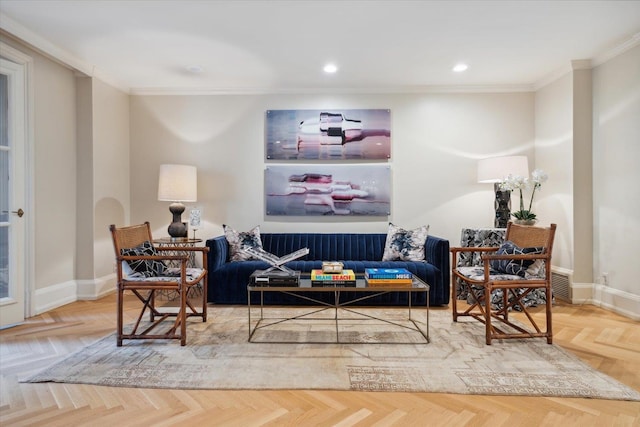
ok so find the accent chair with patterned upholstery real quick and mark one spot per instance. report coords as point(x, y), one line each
point(507, 277)
point(141, 270)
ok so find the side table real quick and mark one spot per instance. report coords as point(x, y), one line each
point(180, 242)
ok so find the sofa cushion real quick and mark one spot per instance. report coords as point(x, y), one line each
point(405, 245)
point(239, 240)
point(147, 268)
point(516, 267)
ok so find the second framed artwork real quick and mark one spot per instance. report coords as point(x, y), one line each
point(363, 134)
point(312, 190)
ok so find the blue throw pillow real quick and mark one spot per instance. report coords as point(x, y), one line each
point(517, 267)
point(148, 268)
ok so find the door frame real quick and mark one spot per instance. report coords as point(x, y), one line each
point(28, 272)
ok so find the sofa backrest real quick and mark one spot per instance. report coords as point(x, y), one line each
point(327, 246)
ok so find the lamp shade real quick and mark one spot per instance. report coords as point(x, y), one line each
point(178, 183)
point(495, 169)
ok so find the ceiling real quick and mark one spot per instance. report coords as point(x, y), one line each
point(265, 46)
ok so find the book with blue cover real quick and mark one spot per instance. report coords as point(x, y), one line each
point(387, 273)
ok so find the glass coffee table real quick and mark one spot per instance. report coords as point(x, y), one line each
point(338, 304)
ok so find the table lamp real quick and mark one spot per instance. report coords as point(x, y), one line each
point(177, 184)
point(494, 170)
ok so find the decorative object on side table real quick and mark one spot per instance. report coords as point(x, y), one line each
point(177, 184)
point(195, 219)
point(494, 170)
point(517, 182)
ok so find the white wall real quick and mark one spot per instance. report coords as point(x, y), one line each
point(616, 171)
point(111, 179)
point(55, 172)
point(554, 154)
point(437, 140)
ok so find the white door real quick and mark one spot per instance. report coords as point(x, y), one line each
point(12, 193)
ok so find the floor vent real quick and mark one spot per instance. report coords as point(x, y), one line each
point(561, 285)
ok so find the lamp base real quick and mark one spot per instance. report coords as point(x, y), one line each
point(502, 206)
point(177, 228)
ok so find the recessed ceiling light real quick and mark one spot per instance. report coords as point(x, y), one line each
point(330, 68)
point(460, 68)
point(195, 69)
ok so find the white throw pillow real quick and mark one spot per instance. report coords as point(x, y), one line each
point(239, 240)
point(405, 245)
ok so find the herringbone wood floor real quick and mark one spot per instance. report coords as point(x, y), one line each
point(606, 341)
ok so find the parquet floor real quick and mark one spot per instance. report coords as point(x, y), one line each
point(606, 341)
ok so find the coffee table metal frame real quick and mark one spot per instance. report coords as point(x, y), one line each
point(304, 291)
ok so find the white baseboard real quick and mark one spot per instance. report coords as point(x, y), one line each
point(55, 296)
point(618, 301)
point(581, 293)
point(96, 288)
point(621, 302)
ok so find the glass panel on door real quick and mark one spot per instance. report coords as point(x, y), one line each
point(4, 188)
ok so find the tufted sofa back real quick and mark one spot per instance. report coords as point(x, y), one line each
point(325, 246)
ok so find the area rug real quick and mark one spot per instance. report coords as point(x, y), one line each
point(218, 356)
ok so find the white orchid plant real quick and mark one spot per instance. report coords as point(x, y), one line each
point(517, 182)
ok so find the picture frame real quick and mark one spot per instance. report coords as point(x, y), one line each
point(328, 189)
point(328, 134)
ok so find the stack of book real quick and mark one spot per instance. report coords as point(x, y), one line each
point(275, 278)
point(343, 278)
point(388, 277)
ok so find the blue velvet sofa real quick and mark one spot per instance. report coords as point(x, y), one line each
point(228, 280)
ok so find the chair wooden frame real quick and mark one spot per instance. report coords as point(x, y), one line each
point(145, 290)
point(522, 236)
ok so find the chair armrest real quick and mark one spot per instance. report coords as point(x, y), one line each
point(182, 248)
point(184, 257)
point(456, 249)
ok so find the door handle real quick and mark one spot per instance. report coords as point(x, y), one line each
point(19, 212)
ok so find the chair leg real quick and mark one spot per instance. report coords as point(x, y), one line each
point(487, 313)
point(204, 298)
point(454, 297)
point(183, 314)
point(549, 301)
point(152, 305)
point(119, 320)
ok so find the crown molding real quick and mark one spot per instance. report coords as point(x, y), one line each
point(581, 64)
point(56, 53)
point(333, 90)
point(618, 50)
point(584, 64)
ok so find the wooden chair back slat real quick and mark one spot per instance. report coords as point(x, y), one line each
point(526, 236)
point(131, 236)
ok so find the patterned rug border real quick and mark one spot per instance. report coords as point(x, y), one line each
point(533, 367)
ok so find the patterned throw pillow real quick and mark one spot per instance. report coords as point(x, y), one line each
point(405, 245)
point(238, 240)
point(517, 267)
point(148, 268)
